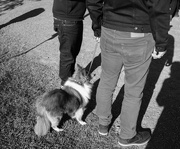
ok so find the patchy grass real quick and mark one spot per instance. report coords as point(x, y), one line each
point(21, 82)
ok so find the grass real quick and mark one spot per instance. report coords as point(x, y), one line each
point(21, 82)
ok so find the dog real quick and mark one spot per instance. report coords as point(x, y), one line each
point(70, 99)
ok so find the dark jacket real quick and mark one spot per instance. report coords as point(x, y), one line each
point(174, 7)
point(69, 9)
point(140, 16)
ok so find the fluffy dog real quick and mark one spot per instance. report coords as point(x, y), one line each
point(71, 99)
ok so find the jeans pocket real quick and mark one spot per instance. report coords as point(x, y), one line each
point(107, 41)
point(135, 52)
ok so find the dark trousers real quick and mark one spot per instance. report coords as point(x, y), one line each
point(70, 38)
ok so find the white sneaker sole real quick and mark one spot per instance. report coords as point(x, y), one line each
point(103, 134)
point(133, 144)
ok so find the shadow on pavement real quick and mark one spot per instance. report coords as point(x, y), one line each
point(152, 78)
point(166, 134)
point(95, 63)
point(4, 59)
point(23, 17)
point(116, 106)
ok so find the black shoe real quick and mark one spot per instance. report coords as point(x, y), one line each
point(139, 139)
point(62, 83)
point(103, 130)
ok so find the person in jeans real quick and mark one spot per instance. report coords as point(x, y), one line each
point(68, 22)
point(132, 32)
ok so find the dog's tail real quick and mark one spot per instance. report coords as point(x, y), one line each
point(43, 124)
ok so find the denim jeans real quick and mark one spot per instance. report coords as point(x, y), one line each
point(70, 38)
point(133, 51)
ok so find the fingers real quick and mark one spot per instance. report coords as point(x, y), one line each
point(97, 39)
point(157, 55)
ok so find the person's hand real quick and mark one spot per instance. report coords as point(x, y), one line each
point(97, 39)
point(55, 28)
point(157, 55)
point(56, 25)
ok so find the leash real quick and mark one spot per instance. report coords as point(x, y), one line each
point(95, 49)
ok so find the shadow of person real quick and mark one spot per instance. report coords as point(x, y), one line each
point(23, 17)
point(92, 103)
point(116, 106)
point(155, 69)
point(166, 134)
point(96, 62)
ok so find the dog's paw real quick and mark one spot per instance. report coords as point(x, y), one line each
point(58, 129)
point(82, 122)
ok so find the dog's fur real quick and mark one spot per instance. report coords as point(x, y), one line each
point(71, 99)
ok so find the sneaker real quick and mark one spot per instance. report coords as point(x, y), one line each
point(62, 84)
point(139, 139)
point(103, 130)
